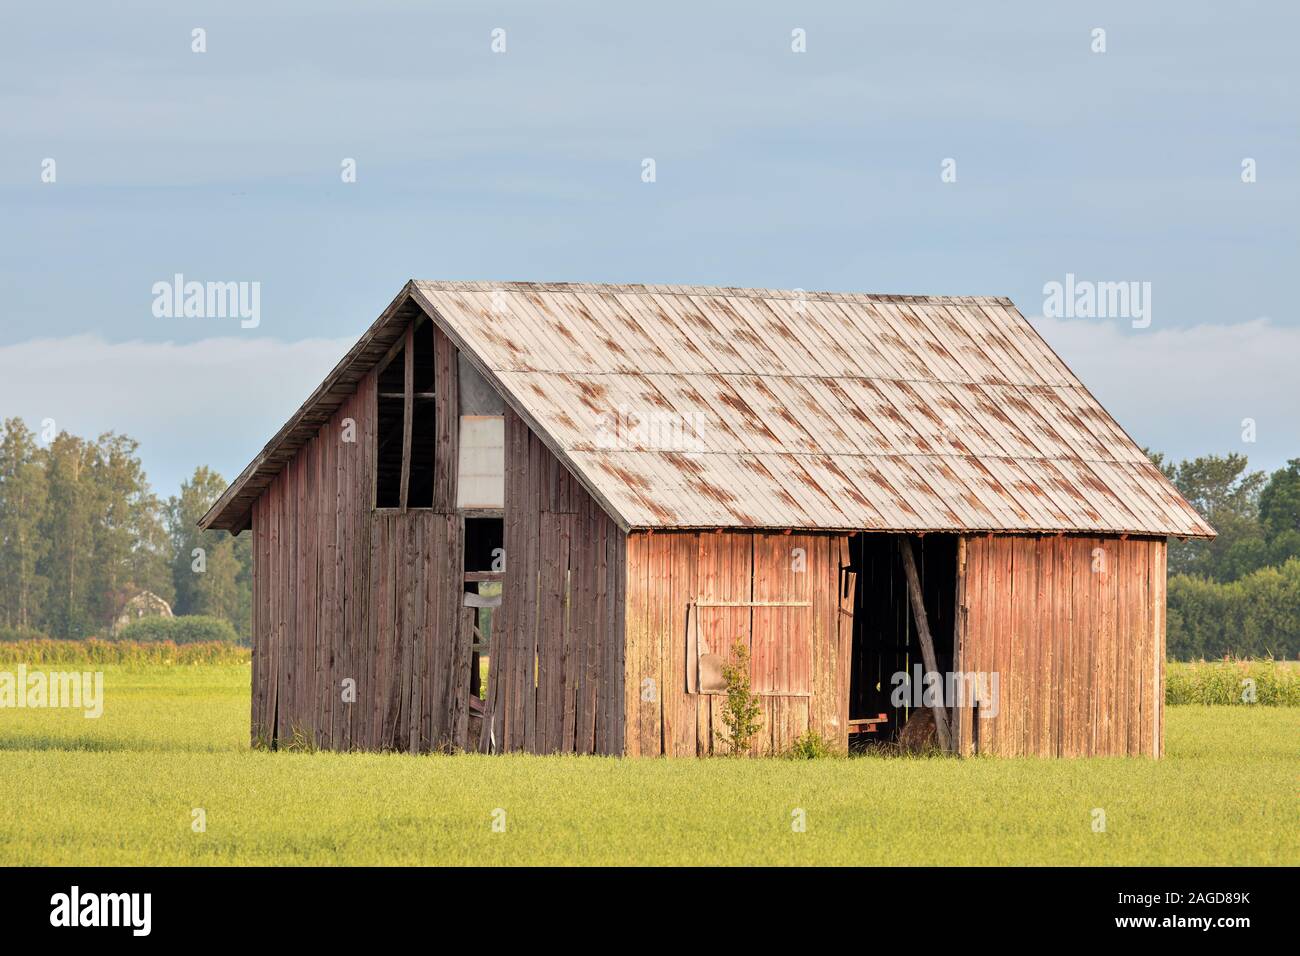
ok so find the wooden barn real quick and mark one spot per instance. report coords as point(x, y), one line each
point(534, 516)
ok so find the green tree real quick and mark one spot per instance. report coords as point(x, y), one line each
point(103, 532)
point(67, 528)
point(1221, 489)
point(23, 493)
point(1255, 616)
point(211, 570)
point(1279, 513)
point(129, 540)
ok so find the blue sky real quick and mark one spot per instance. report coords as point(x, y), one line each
point(818, 170)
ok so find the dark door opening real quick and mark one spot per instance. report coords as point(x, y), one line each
point(484, 575)
point(883, 677)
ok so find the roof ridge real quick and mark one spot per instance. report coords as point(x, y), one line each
point(487, 285)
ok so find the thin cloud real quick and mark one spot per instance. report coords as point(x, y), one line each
point(1188, 391)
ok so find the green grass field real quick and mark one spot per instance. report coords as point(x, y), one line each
point(121, 790)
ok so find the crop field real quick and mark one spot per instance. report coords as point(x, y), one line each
point(171, 752)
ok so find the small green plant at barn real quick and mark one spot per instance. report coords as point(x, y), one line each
point(741, 712)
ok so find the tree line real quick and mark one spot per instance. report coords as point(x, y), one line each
point(81, 533)
point(1238, 595)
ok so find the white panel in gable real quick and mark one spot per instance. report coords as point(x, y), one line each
point(481, 473)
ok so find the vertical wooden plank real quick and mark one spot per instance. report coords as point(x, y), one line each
point(988, 583)
point(638, 626)
point(274, 597)
point(315, 679)
point(556, 571)
point(288, 697)
point(288, 669)
point(1082, 627)
point(998, 585)
point(682, 577)
point(461, 629)
point(584, 632)
point(373, 660)
point(379, 613)
point(288, 622)
point(531, 620)
point(326, 516)
point(646, 710)
point(615, 728)
point(1094, 662)
point(660, 668)
point(692, 542)
point(1159, 584)
point(443, 601)
point(407, 729)
point(1062, 603)
point(1046, 616)
point(549, 620)
point(1009, 715)
point(451, 666)
point(446, 601)
point(346, 505)
point(1125, 639)
point(616, 564)
point(335, 516)
point(838, 729)
point(1136, 656)
point(257, 722)
point(1031, 548)
point(564, 736)
point(522, 620)
point(420, 636)
point(1143, 671)
point(446, 385)
point(1093, 679)
point(356, 592)
point(1017, 653)
point(961, 707)
point(1035, 557)
point(394, 663)
point(612, 733)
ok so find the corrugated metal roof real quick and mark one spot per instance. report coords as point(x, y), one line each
point(784, 409)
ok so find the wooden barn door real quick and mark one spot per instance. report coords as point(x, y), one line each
point(756, 589)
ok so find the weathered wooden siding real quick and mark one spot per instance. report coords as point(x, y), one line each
point(342, 590)
point(1075, 629)
point(792, 647)
point(312, 556)
point(555, 681)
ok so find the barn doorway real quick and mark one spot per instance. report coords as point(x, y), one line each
point(883, 684)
